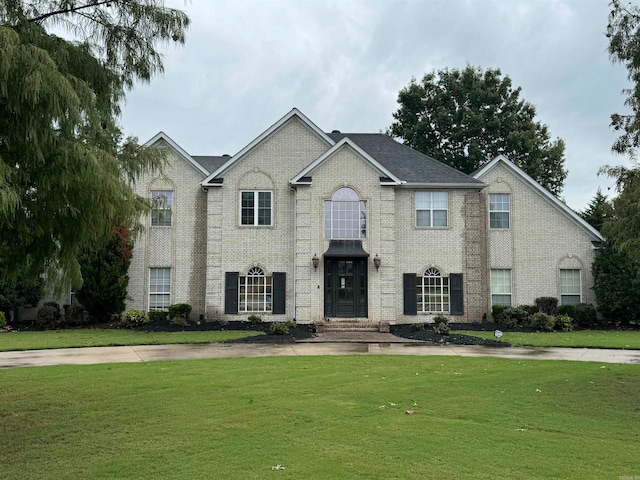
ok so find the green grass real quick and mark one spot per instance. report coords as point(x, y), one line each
point(322, 417)
point(582, 338)
point(110, 337)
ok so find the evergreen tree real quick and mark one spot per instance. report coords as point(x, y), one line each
point(598, 211)
point(105, 276)
point(65, 170)
point(466, 117)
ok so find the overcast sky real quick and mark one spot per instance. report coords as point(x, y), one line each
point(246, 63)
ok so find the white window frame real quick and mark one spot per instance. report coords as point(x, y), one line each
point(500, 211)
point(256, 208)
point(501, 287)
point(160, 289)
point(255, 288)
point(563, 285)
point(161, 209)
point(433, 292)
point(427, 201)
point(336, 216)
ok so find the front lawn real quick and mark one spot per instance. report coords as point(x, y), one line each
point(582, 338)
point(95, 337)
point(365, 417)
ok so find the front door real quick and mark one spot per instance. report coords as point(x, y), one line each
point(345, 287)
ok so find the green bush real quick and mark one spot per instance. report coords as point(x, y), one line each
point(74, 315)
point(568, 310)
point(134, 318)
point(530, 309)
point(182, 310)
point(441, 325)
point(282, 328)
point(548, 305)
point(585, 316)
point(512, 317)
point(157, 315)
point(180, 321)
point(3, 320)
point(48, 316)
point(417, 327)
point(542, 321)
point(563, 323)
point(255, 320)
point(496, 311)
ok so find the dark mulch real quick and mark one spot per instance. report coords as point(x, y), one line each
point(428, 335)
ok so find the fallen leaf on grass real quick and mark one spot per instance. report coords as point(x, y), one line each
point(277, 467)
point(409, 412)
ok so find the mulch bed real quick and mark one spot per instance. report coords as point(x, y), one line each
point(429, 336)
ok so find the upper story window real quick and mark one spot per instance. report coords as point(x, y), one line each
point(256, 208)
point(431, 209)
point(161, 203)
point(499, 208)
point(345, 215)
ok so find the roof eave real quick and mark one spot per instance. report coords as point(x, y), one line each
point(181, 151)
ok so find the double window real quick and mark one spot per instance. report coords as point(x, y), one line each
point(499, 208)
point(159, 288)
point(431, 209)
point(345, 215)
point(256, 208)
point(570, 287)
point(161, 203)
point(433, 292)
point(501, 287)
point(255, 291)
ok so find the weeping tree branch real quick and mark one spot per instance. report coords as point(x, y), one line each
point(64, 11)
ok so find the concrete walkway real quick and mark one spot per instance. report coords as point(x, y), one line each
point(319, 346)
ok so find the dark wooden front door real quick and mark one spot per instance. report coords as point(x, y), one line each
point(345, 287)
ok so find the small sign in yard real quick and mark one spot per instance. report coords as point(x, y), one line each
point(497, 334)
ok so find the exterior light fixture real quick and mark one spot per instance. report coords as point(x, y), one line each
point(315, 260)
point(377, 261)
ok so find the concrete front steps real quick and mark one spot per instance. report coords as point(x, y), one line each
point(338, 325)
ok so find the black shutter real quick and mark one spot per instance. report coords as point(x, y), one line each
point(279, 293)
point(457, 299)
point(231, 292)
point(409, 288)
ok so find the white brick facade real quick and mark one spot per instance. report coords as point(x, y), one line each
point(207, 241)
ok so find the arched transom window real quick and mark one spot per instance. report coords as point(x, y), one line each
point(345, 215)
point(433, 292)
point(255, 291)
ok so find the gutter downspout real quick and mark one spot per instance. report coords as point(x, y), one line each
point(295, 240)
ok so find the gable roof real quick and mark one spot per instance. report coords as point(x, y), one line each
point(210, 162)
point(264, 135)
point(544, 193)
point(179, 150)
point(342, 143)
point(411, 167)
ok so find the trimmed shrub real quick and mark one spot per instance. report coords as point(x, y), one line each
point(48, 316)
point(530, 309)
point(548, 305)
point(563, 323)
point(281, 328)
point(542, 321)
point(180, 321)
point(512, 317)
point(417, 327)
point(567, 310)
point(134, 318)
point(157, 316)
point(3, 320)
point(182, 310)
point(496, 311)
point(255, 320)
point(74, 315)
point(585, 316)
point(441, 325)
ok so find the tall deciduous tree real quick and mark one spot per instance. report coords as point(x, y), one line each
point(465, 117)
point(65, 170)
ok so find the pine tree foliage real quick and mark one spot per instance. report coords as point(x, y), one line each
point(65, 168)
point(599, 211)
point(466, 117)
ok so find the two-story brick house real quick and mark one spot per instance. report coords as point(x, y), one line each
point(307, 225)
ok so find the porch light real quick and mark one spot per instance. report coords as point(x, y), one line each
point(377, 261)
point(315, 260)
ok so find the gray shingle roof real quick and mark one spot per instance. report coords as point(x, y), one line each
point(209, 162)
point(406, 163)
